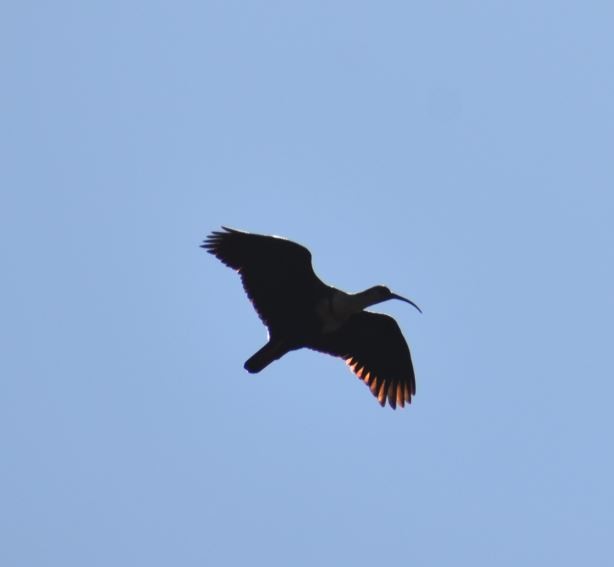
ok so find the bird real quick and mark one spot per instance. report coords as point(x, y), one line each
point(301, 311)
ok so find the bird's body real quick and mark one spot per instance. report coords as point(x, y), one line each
point(301, 311)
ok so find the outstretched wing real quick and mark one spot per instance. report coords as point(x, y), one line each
point(275, 272)
point(373, 346)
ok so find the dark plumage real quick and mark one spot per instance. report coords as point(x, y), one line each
point(299, 311)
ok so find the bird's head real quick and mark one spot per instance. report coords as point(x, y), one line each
point(381, 293)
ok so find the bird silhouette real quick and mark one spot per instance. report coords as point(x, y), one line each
point(301, 311)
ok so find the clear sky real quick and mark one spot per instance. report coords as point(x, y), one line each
point(459, 152)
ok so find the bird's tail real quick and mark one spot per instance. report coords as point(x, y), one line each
point(267, 354)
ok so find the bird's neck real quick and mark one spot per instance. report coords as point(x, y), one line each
point(365, 299)
point(337, 308)
point(346, 304)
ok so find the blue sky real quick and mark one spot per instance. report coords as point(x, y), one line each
point(459, 152)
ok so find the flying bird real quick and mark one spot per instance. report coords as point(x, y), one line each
point(300, 311)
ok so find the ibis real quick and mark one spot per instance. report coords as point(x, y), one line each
point(301, 311)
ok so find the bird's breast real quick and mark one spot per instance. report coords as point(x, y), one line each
point(334, 310)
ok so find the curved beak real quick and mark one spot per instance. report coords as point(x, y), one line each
point(395, 296)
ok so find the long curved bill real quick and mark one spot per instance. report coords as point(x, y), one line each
point(395, 296)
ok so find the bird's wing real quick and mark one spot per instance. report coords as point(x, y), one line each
point(373, 346)
point(274, 271)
